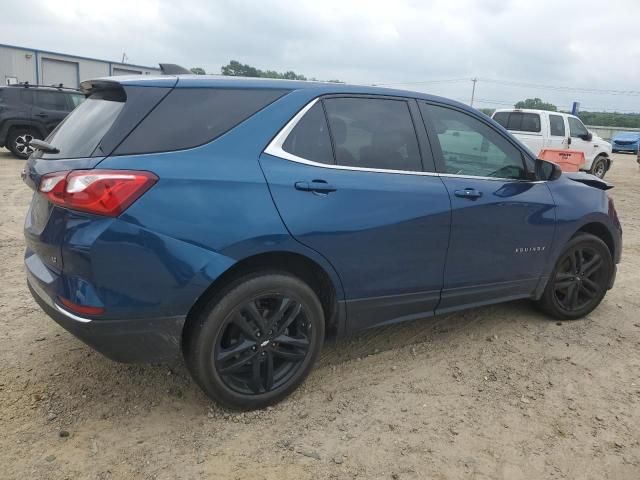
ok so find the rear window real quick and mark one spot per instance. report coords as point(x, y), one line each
point(75, 100)
point(79, 133)
point(519, 121)
point(189, 117)
point(373, 133)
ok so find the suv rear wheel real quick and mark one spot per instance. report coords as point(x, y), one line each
point(18, 141)
point(256, 341)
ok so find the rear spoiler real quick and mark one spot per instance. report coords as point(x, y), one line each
point(588, 179)
point(173, 69)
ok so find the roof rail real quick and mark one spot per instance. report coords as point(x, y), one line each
point(30, 85)
point(173, 69)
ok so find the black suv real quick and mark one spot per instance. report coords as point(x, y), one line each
point(30, 111)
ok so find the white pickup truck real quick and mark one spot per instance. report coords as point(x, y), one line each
point(539, 129)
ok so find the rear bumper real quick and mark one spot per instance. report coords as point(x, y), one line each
point(129, 340)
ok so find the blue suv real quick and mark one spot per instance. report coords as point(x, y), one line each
point(238, 222)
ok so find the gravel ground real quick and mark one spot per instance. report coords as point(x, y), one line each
point(496, 392)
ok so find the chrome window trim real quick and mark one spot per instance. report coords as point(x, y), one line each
point(275, 149)
point(71, 315)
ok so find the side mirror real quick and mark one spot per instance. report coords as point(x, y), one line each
point(587, 137)
point(546, 170)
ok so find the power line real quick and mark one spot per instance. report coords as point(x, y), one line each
point(514, 83)
point(562, 88)
point(451, 80)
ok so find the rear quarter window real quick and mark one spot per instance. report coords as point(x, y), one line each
point(519, 121)
point(190, 117)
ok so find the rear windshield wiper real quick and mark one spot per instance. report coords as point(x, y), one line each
point(43, 146)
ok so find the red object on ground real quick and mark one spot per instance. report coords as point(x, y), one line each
point(569, 160)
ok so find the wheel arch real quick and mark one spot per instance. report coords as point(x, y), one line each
point(601, 231)
point(22, 123)
point(301, 266)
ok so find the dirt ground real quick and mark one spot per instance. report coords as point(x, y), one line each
point(494, 393)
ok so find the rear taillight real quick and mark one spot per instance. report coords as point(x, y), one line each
point(102, 192)
point(81, 309)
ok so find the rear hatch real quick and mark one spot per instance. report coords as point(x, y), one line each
point(89, 134)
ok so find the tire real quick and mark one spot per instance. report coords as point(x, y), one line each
point(599, 166)
point(239, 334)
point(18, 139)
point(578, 275)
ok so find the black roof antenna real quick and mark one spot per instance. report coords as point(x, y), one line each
point(173, 69)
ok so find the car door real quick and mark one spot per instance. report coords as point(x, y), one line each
point(349, 183)
point(579, 141)
point(558, 138)
point(502, 223)
point(50, 108)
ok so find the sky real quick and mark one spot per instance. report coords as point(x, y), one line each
point(558, 50)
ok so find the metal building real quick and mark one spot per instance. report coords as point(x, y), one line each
point(20, 64)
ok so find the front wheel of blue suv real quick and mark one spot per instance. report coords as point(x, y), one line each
point(256, 340)
point(580, 279)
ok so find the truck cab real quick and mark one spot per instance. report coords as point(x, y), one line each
point(541, 129)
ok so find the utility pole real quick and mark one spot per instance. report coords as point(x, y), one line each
point(473, 90)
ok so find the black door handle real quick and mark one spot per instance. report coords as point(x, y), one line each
point(470, 193)
point(318, 186)
point(42, 115)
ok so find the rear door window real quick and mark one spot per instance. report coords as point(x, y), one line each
point(51, 100)
point(373, 133)
point(310, 138)
point(190, 117)
point(556, 125)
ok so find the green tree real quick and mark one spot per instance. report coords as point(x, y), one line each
point(237, 69)
point(611, 119)
point(487, 111)
point(536, 104)
point(198, 71)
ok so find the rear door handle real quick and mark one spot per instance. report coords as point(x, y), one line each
point(470, 193)
point(318, 186)
point(41, 115)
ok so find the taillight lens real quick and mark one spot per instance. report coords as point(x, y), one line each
point(81, 309)
point(101, 192)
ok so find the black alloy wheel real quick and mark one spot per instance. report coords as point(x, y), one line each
point(256, 340)
point(580, 279)
point(263, 343)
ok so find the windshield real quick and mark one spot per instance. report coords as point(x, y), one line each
point(79, 134)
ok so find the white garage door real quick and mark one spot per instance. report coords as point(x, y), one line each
point(55, 72)
point(125, 71)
